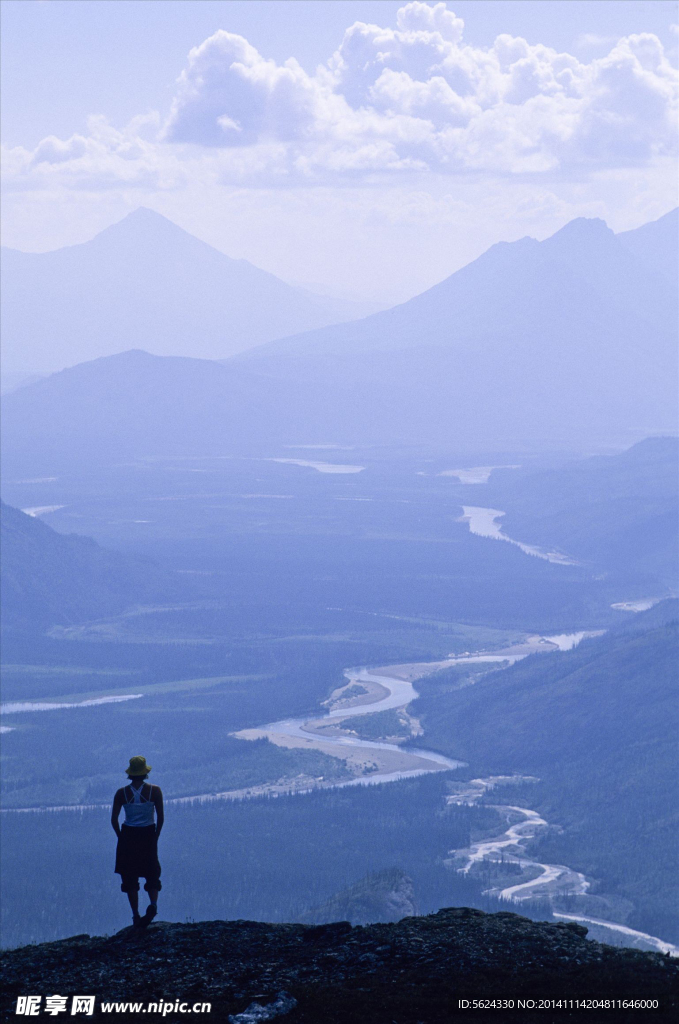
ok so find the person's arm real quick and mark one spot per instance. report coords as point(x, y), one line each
point(115, 811)
point(157, 797)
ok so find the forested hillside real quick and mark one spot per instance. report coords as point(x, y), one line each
point(619, 511)
point(598, 726)
point(49, 578)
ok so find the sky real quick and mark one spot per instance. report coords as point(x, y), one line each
point(366, 148)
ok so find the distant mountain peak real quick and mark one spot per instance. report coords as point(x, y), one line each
point(148, 281)
point(134, 361)
point(583, 229)
point(132, 354)
point(148, 226)
point(146, 212)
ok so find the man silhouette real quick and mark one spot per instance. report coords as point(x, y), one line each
point(137, 849)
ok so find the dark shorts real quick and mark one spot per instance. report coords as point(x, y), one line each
point(137, 857)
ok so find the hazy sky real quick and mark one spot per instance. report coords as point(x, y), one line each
point(365, 146)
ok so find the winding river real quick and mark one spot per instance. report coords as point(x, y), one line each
point(392, 688)
point(383, 689)
point(372, 762)
point(483, 522)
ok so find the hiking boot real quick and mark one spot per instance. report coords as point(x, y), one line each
point(151, 912)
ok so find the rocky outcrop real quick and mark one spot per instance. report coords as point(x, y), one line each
point(378, 898)
point(413, 972)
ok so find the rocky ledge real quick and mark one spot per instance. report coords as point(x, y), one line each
point(417, 971)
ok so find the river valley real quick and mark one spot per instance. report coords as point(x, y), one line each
point(391, 688)
point(369, 762)
point(483, 523)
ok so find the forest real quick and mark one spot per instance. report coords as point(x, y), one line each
point(597, 725)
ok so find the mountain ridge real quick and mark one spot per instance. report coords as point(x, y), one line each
point(49, 578)
point(656, 243)
point(569, 341)
point(587, 236)
point(150, 281)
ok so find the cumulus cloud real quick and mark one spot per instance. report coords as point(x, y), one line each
point(411, 98)
point(103, 158)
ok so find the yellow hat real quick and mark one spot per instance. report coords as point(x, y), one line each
point(138, 766)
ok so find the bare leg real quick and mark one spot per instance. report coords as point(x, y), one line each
point(133, 897)
point(152, 909)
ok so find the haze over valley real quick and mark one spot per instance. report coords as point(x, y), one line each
point(385, 593)
point(232, 592)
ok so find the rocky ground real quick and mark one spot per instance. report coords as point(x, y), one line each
point(413, 972)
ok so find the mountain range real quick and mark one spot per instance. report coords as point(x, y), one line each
point(572, 337)
point(144, 282)
point(562, 342)
point(524, 290)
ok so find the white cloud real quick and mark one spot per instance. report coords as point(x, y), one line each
point(104, 158)
point(229, 95)
point(420, 17)
point(592, 40)
point(413, 98)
